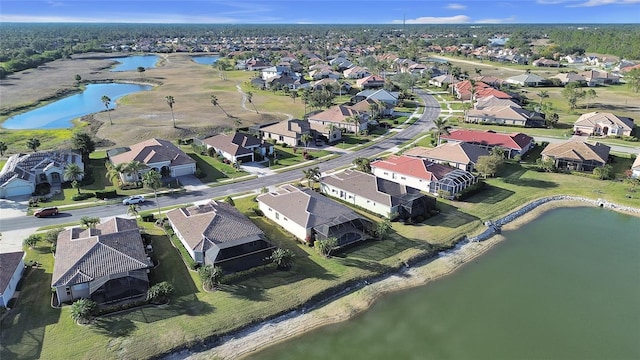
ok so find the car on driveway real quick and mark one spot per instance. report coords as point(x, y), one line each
point(136, 199)
point(49, 211)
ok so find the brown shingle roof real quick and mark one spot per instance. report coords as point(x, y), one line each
point(235, 144)
point(290, 128)
point(8, 264)
point(578, 150)
point(153, 151)
point(368, 186)
point(113, 247)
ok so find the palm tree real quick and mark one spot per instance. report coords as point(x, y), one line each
point(153, 180)
point(306, 138)
point(210, 276)
point(33, 144)
point(133, 167)
point(89, 222)
point(441, 127)
point(73, 173)
point(106, 101)
point(113, 172)
point(478, 71)
point(374, 107)
point(133, 210)
point(3, 148)
point(82, 310)
point(294, 95)
point(543, 94)
point(250, 100)
point(214, 102)
point(283, 258)
point(312, 175)
point(170, 102)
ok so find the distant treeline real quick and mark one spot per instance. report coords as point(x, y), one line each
point(25, 46)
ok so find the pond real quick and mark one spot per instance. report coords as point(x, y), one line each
point(59, 113)
point(205, 59)
point(130, 63)
point(566, 286)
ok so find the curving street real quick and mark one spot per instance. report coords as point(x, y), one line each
point(424, 123)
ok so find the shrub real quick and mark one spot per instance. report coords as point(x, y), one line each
point(258, 212)
point(42, 189)
point(285, 145)
point(31, 241)
point(160, 292)
point(82, 310)
point(106, 194)
point(229, 200)
point(131, 185)
point(470, 190)
point(82, 196)
point(325, 247)
point(199, 173)
point(148, 218)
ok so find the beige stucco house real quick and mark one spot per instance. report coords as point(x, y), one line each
point(577, 155)
point(603, 124)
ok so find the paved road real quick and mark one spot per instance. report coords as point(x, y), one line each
point(432, 110)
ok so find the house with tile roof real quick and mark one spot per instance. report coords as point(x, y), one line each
point(370, 82)
point(526, 79)
point(603, 124)
point(106, 263)
point(462, 91)
point(505, 115)
point(23, 172)
point(380, 196)
point(11, 269)
point(238, 147)
point(291, 131)
point(577, 155)
point(635, 167)
point(310, 216)
point(490, 101)
point(342, 116)
point(513, 144)
point(157, 154)
point(356, 72)
point(462, 156)
point(443, 80)
point(423, 174)
point(216, 233)
point(570, 77)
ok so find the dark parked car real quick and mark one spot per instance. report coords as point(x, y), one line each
point(50, 211)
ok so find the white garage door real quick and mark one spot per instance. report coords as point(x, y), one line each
point(182, 170)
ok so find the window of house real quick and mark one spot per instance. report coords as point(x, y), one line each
point(281, 138)
point(68, 291)
point(285, 219)
point(270, 209)
point(403, 178)
point(386, 173)
point(277, 216)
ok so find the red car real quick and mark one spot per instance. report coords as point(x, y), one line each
point(50, 211)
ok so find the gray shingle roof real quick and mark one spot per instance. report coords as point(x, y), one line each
point(8, 264)
point(113, 247)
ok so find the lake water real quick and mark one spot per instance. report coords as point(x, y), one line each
point(129, 63)
point(59, 114)
point(566, 286)
point(205, 60)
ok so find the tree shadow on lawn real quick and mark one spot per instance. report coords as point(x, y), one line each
point(378, 250)
point(185, 305)
point(245, 291)
point(114, 326)
point(491, 194)
point(450, 217)
point(534, 183)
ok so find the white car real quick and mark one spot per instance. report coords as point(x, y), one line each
point(136, 199)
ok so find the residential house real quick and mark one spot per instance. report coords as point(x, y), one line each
point(527, 79)
point(274, 71)
point(370, 82)
point(216, 233)
point(505, 115)
point(490, 80)
point(542, 62)
point(635, 167)
point(577, 155)
point(513, 144)
point(462, 156)
point(291, 131)
point(23, 172)
point(380, 196)
point(107, 263)
point(343, 117)
point(462, 91)
point(11, 269)
point(238, 147)
point(157, 154)
point(356, 72)
point(423, 174)
point(310, 216)
point(443, 80)
point(340, 63)
point(596, 78)
point(603, 124)
point(492, 101)
point(570, 77)
point(380, 95)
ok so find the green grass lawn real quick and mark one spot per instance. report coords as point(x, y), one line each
point(287, 157)
point(213, 168)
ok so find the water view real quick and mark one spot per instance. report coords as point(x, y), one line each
point(59, 114)
point(566, 286)
point(129, 63)
point(205, 60)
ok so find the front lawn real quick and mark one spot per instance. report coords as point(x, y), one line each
point(214, 169)
point(286, 156)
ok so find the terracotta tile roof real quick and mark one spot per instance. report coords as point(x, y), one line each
point(604, 119)
point(215, 222)
point(455, 152)
point(8, 264)
point(415, 167)
point(113, 247)
point(515, 141)
point(153, 151)
point(304, 207)
point(578, 150)
point(503, 112)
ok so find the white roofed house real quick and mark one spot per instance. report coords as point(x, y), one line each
point(218, 234)
point(603, 124)
point(310, 216)
point(23, 172)
point(380, 196)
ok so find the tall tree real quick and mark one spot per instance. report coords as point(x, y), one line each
point(573, 92)
point(84, 144)
point(153, 180)
point(133, 168)
point(250, 100)
point(442, 127)
point(133, 210)
point(312, 175)
point(543, 94)
point(170, 102)
point(3, 148)
point(33, 144)
point(210, 276)
point(362, 164)
point(590, 95)
point(114, 171)
point(632, 78)
point(293, 95)
point(306, 139)
point(216, 103)
point(73, 173)
point(107, 101)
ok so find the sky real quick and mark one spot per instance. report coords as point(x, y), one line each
point(322, 11)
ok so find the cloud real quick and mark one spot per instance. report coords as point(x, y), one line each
point(458, 19)
point(456, 7)
point(510, 19)
point(592, 3)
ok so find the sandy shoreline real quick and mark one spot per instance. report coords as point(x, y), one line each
point(343, 308)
